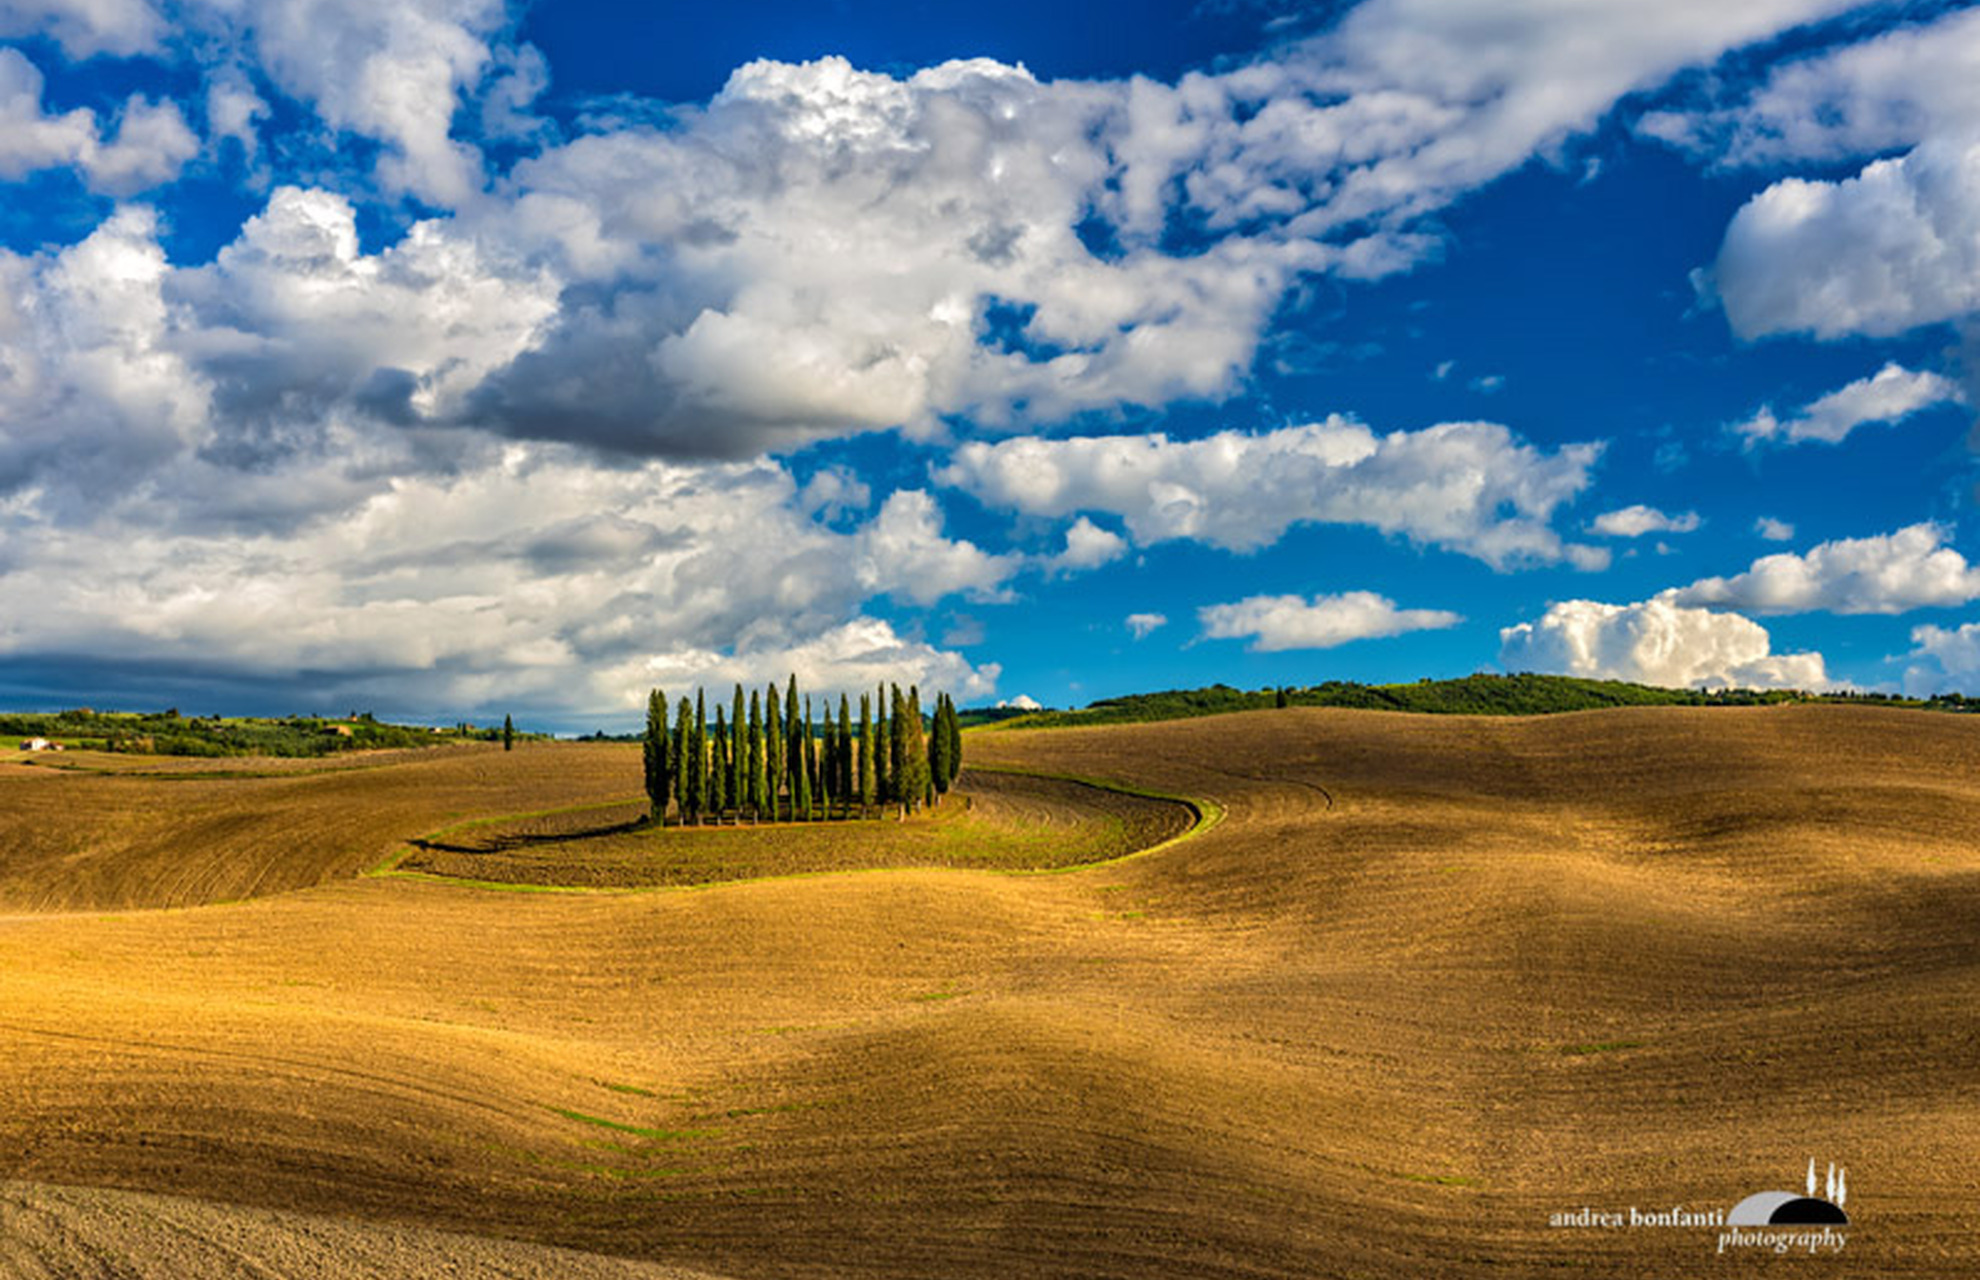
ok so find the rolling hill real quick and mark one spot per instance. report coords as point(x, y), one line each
point(1427, 982)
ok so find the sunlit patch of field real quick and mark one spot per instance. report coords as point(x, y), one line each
point(1428, 981)
point(993, 821)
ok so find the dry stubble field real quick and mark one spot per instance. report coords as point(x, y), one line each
point(1428, 981)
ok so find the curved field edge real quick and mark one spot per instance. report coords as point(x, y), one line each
point(1204, 813)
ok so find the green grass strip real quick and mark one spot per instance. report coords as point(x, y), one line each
point(1601, 1046)
point(657, 1135)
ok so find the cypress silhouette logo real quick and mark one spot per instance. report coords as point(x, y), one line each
point(1786, 1209)
point(1782, 1221)
point(1769, 1221)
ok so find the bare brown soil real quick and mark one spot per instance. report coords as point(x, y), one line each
point(80, 1233)
point(992, 821)
point(1429, 981)
point(165, 831)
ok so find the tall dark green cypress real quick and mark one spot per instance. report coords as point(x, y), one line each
point(883, 785)
point(898, 782)
point(698, 757)
point(801, 760)
point(508, 734)
point(794, 750)
point(653, 751)
point(683, 740)
point(955, 742)
point(827, 753)
point(868, 783)
point(738, 758)
point(843, 782)
point(916, 751)
point(719, 767)
point(773, 753)
point(758, 783)
point(938, 749)
point(812, 745)
point(883, 790)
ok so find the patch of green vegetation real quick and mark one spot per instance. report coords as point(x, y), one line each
point(1601, 1046)
point(167, 733)
point(629, 1088)
point(944, 992)
point(638, 1131)
point(1513, 695)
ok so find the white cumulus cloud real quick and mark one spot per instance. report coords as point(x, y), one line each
point(1943, 660)
point(1894, 246)
point(1889, 573)
point(903, 553)
point(1658, 643)
point(86, 28)
point(1635, 521)
point(1144, 623)
point(1471, 487)
point(1277, 623)
point(152, 142)
point(851, 659)
point(1088, 546)
point(1890, 395)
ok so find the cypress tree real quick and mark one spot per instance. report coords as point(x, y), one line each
point(683, 740)
point(882, 783)
point(653, 750)
point(698, 757)
point(758, 783)
point(882, 788)
point(867, 781)
point(801, 760)
point(827, 754)
point(843, 784)
point(718, 767)
point(812, 746)
point(836, 770)
point(792, 757)
point(738, 757)
point(773, 753)
point(915, 750)
point(508, 734)
point(955, 742)
point(938, 749)
point(898, 781)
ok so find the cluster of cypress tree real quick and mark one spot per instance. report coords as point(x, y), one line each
point(781, 763)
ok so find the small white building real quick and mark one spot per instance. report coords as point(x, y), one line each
point(36, 744)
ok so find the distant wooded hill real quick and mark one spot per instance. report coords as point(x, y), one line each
point(167, 733)
point(1489, 695)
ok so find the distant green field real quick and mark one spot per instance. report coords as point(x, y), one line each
point(1515, 695)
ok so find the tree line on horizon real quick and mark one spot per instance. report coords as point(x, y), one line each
point(772, 760)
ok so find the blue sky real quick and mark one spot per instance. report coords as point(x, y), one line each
point(448, 359)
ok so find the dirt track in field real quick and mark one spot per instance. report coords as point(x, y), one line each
point(1430, 980)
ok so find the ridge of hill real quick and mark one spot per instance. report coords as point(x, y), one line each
point(1475, 695)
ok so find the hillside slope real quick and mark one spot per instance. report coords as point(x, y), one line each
point(1427, 983)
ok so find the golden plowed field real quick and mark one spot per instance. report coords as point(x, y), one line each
point(1428, 982)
